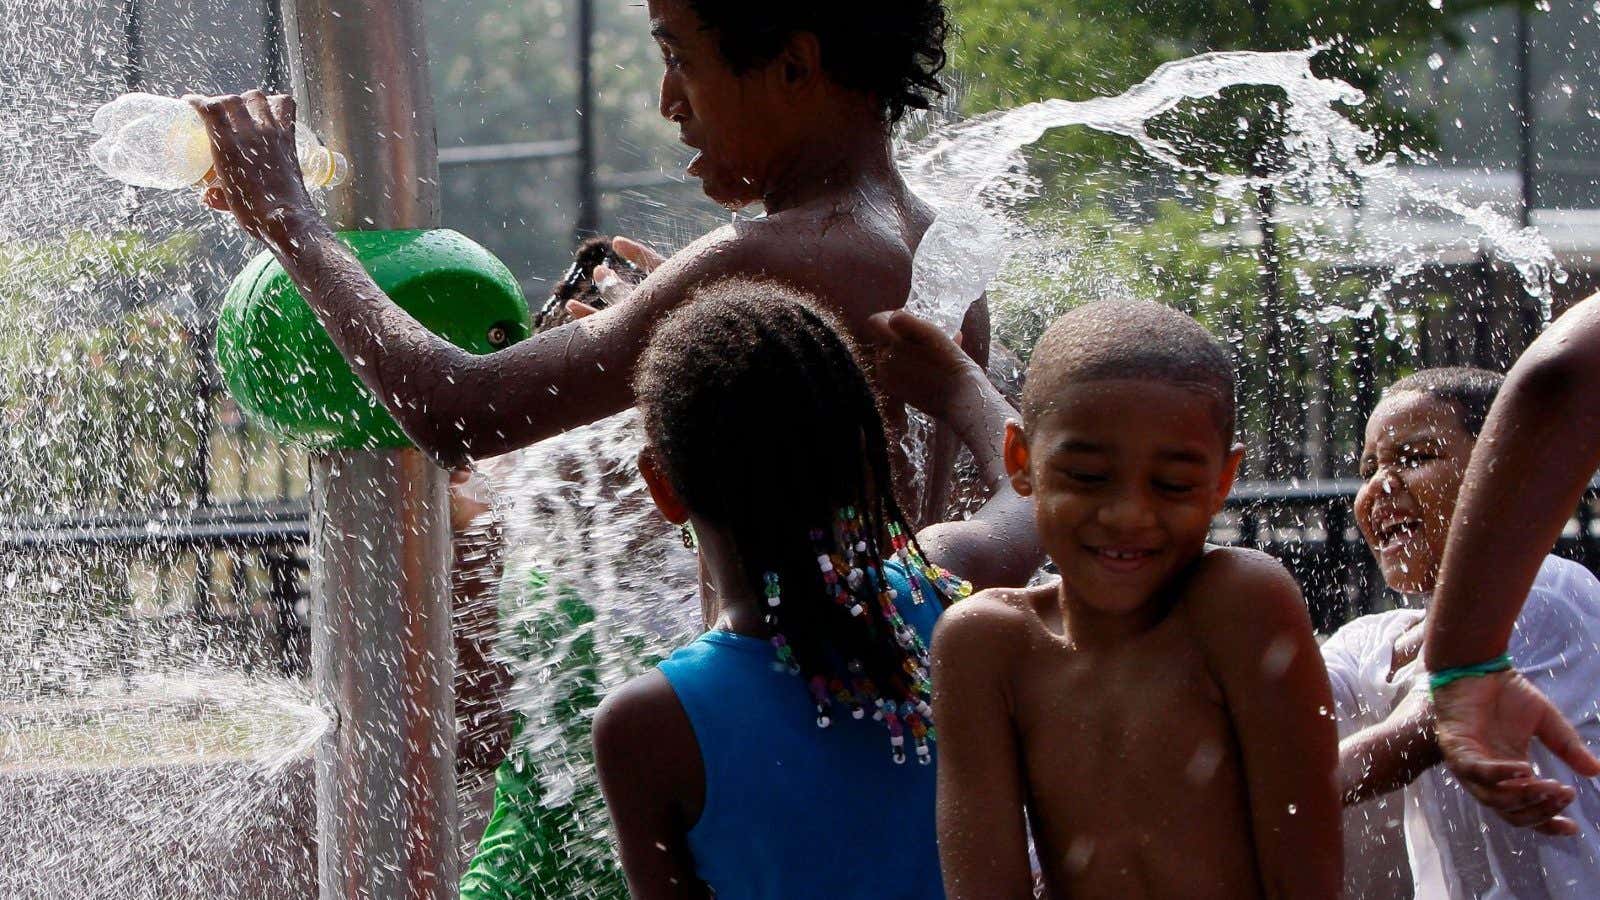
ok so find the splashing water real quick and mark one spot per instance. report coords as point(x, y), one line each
point(975, 170)
point(172, 781)
point(206, 778)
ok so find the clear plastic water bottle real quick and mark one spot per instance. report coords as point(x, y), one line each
point(160, 142)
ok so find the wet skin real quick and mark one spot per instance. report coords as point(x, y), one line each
point(1536, 455)
point(1161, 713)
point(841, 225)
point(654, 806)
point(1413, 463)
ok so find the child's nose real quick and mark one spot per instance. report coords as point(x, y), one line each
point(1128, 511)
point(1388, 480)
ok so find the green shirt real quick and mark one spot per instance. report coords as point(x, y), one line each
point(530, 850)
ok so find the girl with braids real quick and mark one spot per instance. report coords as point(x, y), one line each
point(787, 752)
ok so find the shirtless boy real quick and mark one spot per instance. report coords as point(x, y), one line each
point(1160, 716)
point(789, 103)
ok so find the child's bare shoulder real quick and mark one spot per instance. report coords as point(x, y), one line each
point(1234, 595)
point(991, 623)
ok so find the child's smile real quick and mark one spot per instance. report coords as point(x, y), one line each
point(1124, 560)
point(1415, 454)
point(1125, 475)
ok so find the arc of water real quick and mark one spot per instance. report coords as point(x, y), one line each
point(967, 167)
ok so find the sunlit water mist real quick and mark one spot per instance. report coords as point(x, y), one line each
point(173, 786)
point(135, 760)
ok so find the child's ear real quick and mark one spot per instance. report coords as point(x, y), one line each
point(661, 491)
point(1230, 471)
point(1015, 454)
point(801, 59)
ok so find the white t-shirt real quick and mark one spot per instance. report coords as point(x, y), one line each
point(1457, 848)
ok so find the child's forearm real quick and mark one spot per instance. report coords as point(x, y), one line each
point(978, 413)
point(386, 347)
point(1535, 458)
point(1386, 757)
point(453, 404)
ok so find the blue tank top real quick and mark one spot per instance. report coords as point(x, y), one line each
point(793, 810)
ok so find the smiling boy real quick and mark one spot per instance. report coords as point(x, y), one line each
point(1415, 456)
point(1160, 716)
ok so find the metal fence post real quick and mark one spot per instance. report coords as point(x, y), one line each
point(588, 197)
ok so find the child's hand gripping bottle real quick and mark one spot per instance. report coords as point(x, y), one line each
point(160, 142)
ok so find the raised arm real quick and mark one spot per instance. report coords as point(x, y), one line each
point(916, 363)
point(1257, 637)
point(983, 840)
point(453, 404)
point(1536, 455)
point(1538, 451)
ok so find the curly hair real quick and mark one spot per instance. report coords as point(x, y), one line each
point(891, 49)
point(767, 426)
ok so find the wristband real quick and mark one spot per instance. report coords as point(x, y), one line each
point(1439, 679)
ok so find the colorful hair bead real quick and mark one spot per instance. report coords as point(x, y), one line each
point(851, 563)
point(897, 736)
point(819, 694)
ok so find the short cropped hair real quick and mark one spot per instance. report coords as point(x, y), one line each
point(1116, 339)
point(1469, 391)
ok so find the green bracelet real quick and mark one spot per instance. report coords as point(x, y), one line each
point(1439, 679)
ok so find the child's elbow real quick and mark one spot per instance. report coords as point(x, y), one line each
point(1563, 376)
point(1559, 369)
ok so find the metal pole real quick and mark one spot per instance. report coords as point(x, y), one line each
point(588, 198)
point(1530, 317)
point(275, 78)
point(382, 656)
point(1525, 117)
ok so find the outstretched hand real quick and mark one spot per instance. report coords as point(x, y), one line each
point(614, 288)
point(1485, 727)
point(256, 172)
point(915, 362)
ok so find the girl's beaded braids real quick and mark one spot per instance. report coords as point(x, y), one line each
point(766, 425)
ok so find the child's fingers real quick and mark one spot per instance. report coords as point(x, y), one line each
point(1509, 798)
point(1543, 809)
point(1556, 733)
point(912, 328)
point(1560, 826)
point(878, 326)
point(579, 309)
point(610, 285)
point(216, 198)
point(1476, 769)
point(232, 110)
point(645, 258)
point(282, 106)
point(255, 103)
